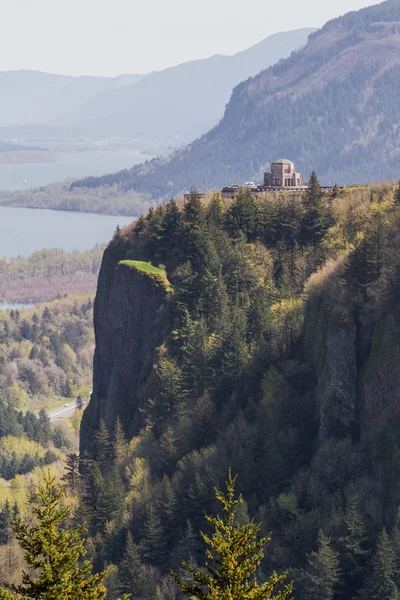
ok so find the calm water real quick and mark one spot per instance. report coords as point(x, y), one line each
point(73, 164)
point(6, 306)
point(24, 230)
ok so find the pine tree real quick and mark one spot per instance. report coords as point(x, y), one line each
point(167, 452)
point(167, 506)
point(216, 211)
point(397, 195)
point(154, 543)
point(242, 215)
point(54, 554)
point(171, 233)
point(193, 230)
point(187, 548)
point(335, 191)
point(233, 555)
point(381, 585)
point(119, 443)
point(321, 574)
point(352, 550)
point(103, 446)
point(71, 475)
point(130, 571)
point(5, 523)
point(314, 221)
point(44, 427)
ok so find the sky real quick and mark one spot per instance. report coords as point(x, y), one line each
point(110, 37)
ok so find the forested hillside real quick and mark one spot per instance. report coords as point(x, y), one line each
point(46, 352)
point(332, 106)
point(261, 336)
point(48, 274)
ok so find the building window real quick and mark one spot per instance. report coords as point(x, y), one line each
point(277, 182)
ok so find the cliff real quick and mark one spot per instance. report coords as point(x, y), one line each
point(130, 320)
point(355, 353)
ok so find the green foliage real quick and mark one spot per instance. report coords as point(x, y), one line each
point(53, 553)
point(322, 573)
point(233, 555)
point(142, 266)
point(382, 581)
point(45, 354)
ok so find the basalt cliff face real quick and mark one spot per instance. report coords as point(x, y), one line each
point(130, 321)
point(355, 355)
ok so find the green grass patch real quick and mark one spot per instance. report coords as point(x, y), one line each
point(142, 266)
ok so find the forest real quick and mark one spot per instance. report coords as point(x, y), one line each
point(279, 364)
point(264, 298)
point(46, 352)
point(109, 200)
point(48, 274)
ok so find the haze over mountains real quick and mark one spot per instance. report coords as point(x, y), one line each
point(333, 106)
point(177, 104)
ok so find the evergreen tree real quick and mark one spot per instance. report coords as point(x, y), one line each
point(242, 215)
point(6, 518)
point(71, 475)
point(171, 233)
point(381, 585)
point(109, 505)
point(103, 446)
point(233, 555)
point(216, 211)
point(335, 191)
point(119, 443)
point(314, 221)
point(130, 571)
point(187, 548)
point(54, 554)
point(168, 505)
point(154, 544)
point(397, 195)
point(352, 551)
point(167, 452)
point(321, 575)
point(193, 230)
point(44, 432)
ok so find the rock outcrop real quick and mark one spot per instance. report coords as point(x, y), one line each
point(131, 321)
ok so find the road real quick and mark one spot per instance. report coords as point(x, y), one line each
point(62, 412)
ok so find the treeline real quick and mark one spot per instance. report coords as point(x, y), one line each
point(235, 385)
point(46, 351)
point(110, 200)
point(48, 274)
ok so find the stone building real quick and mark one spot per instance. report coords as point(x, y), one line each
point(283, 175)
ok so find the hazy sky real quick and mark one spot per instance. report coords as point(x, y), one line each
point(109, 37)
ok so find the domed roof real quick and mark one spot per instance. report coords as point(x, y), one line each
point(283, 161)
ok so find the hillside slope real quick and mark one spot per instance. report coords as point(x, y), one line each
point(183, 102)
point(271, 347)
point(333, 107)
point(33, 97)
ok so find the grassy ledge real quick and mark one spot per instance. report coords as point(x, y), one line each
point(145, 267)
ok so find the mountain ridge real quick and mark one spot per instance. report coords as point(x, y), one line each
point(293, 108)
point(130, 105)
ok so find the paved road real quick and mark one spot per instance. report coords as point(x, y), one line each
point(62, 412)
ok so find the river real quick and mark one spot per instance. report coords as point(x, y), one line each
point(69, 165)
point(25, 230)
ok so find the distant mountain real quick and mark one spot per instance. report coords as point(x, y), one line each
point(182, 102)
point(333, 106)
point(33, 97)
